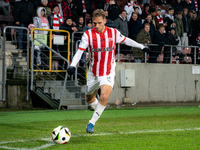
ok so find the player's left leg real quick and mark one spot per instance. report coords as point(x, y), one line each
point(105, 93)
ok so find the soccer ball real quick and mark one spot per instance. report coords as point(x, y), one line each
point(61, 135)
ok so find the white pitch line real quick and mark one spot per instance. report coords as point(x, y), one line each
point(50, 142)
point(135, 132)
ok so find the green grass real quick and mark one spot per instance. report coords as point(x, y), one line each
point(138, 128)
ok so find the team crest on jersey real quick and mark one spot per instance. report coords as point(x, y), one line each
point(110, 40)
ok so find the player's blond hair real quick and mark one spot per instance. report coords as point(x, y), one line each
point(98, 13)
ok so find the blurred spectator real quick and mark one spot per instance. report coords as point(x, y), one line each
point(82, 61)
point(187, 27)
point(152, 11)
point(113, 10)
point(194, 4)
point(23, 14)
point(88, 25)
point(129, 9)
point(163, 12)
point(134, 26)
point(81, 23)
point(99, 4)
point(83, 7)
point(145, 10)
point(36, 3)
point(121, 23)
point(169, 19)
point(67, 25)
point(5, 5)
point(152, 27)
point(40, 22)
point(44, 4)
point(190, 12)
point(159, 39)
point(145, 1)
point(144, 38)
point(30, 27)
point(137, 5)
point(55, 22)
point(136, 10)
point(172, 39)
point(187, 4)
point(196, 42)
point(72, 6)
point(179, 29)
point(64, 10)
point(55, 19)
point(178, 6)
point(195, 28)
point(159, 18)
point(109, 22)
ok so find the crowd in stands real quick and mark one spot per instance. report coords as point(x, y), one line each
point(178, 25)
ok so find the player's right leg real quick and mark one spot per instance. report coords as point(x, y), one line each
point(92, 100)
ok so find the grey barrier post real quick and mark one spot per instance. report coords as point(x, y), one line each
point(4, 37)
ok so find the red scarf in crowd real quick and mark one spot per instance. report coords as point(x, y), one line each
point(196, 5)
point(6, 1)
point(84, 7)
point(56, 21)
point(160, 18)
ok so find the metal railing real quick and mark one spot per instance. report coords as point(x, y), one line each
point(32, 67)
point(151, 50)
point(2, 71)
point(50, 46)
point(4, 65)
point(73, 42)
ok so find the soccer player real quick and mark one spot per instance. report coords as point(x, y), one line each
point(100, 42)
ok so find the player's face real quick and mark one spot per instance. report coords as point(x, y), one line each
point(99, 23)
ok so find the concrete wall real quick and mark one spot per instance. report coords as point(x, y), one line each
point(158, 82)
point(1, 61)
point(16, 95)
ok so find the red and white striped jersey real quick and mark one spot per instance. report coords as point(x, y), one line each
point(102, 49)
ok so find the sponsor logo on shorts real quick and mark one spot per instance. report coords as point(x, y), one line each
point(109, 79)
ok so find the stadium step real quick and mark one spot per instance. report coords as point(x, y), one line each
point(73, 95)
point(46, 98)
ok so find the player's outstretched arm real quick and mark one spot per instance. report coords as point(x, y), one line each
point(75, 60)
point(133, 43)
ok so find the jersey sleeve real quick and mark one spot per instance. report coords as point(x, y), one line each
point(120, 38)
point(84, 42)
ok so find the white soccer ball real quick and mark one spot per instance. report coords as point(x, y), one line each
point(61, 135)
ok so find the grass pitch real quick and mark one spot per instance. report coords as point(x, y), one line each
point(159, 128)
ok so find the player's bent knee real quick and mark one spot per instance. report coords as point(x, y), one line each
point(104, 98)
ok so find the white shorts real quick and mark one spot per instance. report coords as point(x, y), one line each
point(95, 82)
